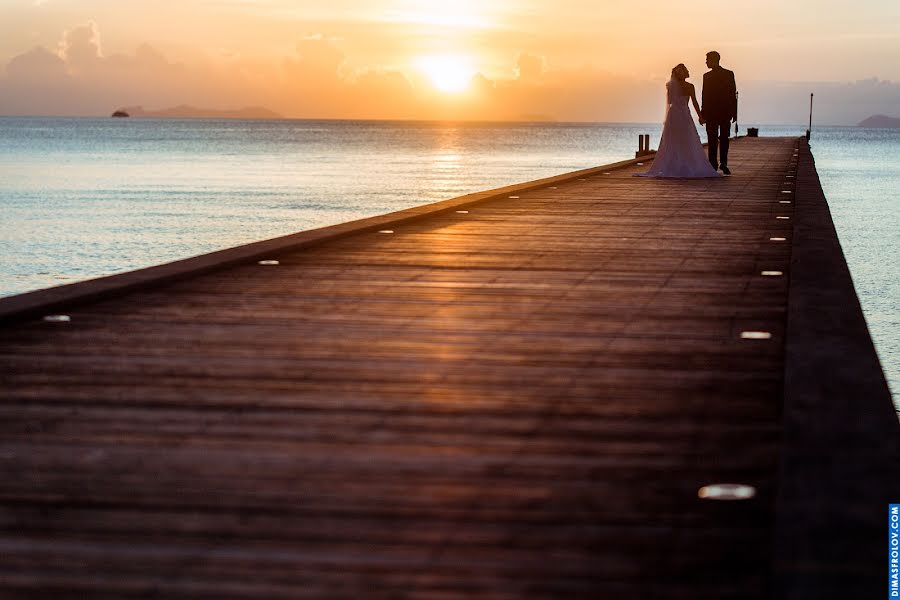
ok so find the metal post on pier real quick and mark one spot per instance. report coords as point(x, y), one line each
point(809, 130)
point(737, 96)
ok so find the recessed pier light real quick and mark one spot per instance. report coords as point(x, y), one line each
point(269, 263)
point(386, 231)
point(784, 202)
point(772, 273)
point(787, 192)
point(57, 318)
point(553, 187)
point(607, 173)
point(514, 197)
point(789, 176)
point(582, 179)
point(640, 164)
point(726, 491)
point(463, 212)
point(756, 335)
point(783, 218)
point(777, 239)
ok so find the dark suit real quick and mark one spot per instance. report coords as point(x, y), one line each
point(719, 109)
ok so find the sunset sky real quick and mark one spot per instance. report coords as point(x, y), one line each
point(470, 59)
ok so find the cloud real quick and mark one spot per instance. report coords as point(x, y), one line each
point(80, 47)
point(37, 66)
point(836, 103)
point(78, 79)
point(317, 79)
point(317, 57)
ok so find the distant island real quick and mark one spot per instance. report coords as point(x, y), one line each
point(185, 111)
point(880, 121)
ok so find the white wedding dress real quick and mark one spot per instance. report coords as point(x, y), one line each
point(680, 152)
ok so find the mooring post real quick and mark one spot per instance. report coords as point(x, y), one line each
point(643, 145)
point(737, 97)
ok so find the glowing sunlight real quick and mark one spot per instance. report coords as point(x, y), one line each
point(448, 73)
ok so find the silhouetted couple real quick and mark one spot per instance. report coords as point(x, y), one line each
point(680, 152)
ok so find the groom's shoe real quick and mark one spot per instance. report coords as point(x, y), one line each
point(726, 170)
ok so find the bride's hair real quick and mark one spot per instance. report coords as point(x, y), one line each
point(676, 69)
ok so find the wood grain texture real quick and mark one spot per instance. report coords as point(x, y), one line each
point(517, 402)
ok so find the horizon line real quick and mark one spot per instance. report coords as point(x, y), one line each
point(379, 120)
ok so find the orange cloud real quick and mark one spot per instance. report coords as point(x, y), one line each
point(80, 47)
point(324, 77)
point(530, 67)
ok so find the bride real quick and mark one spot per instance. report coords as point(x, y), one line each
point(680, 152)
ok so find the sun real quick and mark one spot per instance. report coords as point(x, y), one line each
point(449, 73)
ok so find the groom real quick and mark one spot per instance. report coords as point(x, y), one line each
point(719, 109)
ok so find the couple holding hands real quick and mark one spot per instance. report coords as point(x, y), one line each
point(680, 152)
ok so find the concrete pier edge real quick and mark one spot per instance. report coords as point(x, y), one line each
point(840, 427)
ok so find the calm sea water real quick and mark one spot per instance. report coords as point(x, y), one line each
point(87, 197)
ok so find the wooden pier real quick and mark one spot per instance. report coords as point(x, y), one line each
point(511, 395)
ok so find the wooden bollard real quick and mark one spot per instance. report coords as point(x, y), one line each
point(643, 145)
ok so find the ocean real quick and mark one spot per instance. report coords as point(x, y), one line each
point(82, 198)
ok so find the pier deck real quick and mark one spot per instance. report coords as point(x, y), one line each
point(517, 401)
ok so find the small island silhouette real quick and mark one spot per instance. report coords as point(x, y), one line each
point(880, 121)
point(185, 111)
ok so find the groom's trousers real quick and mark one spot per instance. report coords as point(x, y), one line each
point(717, 133)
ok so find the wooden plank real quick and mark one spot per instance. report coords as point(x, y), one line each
point(517, 402)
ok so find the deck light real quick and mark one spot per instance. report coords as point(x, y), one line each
point(756, 335)
point(726, 491)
